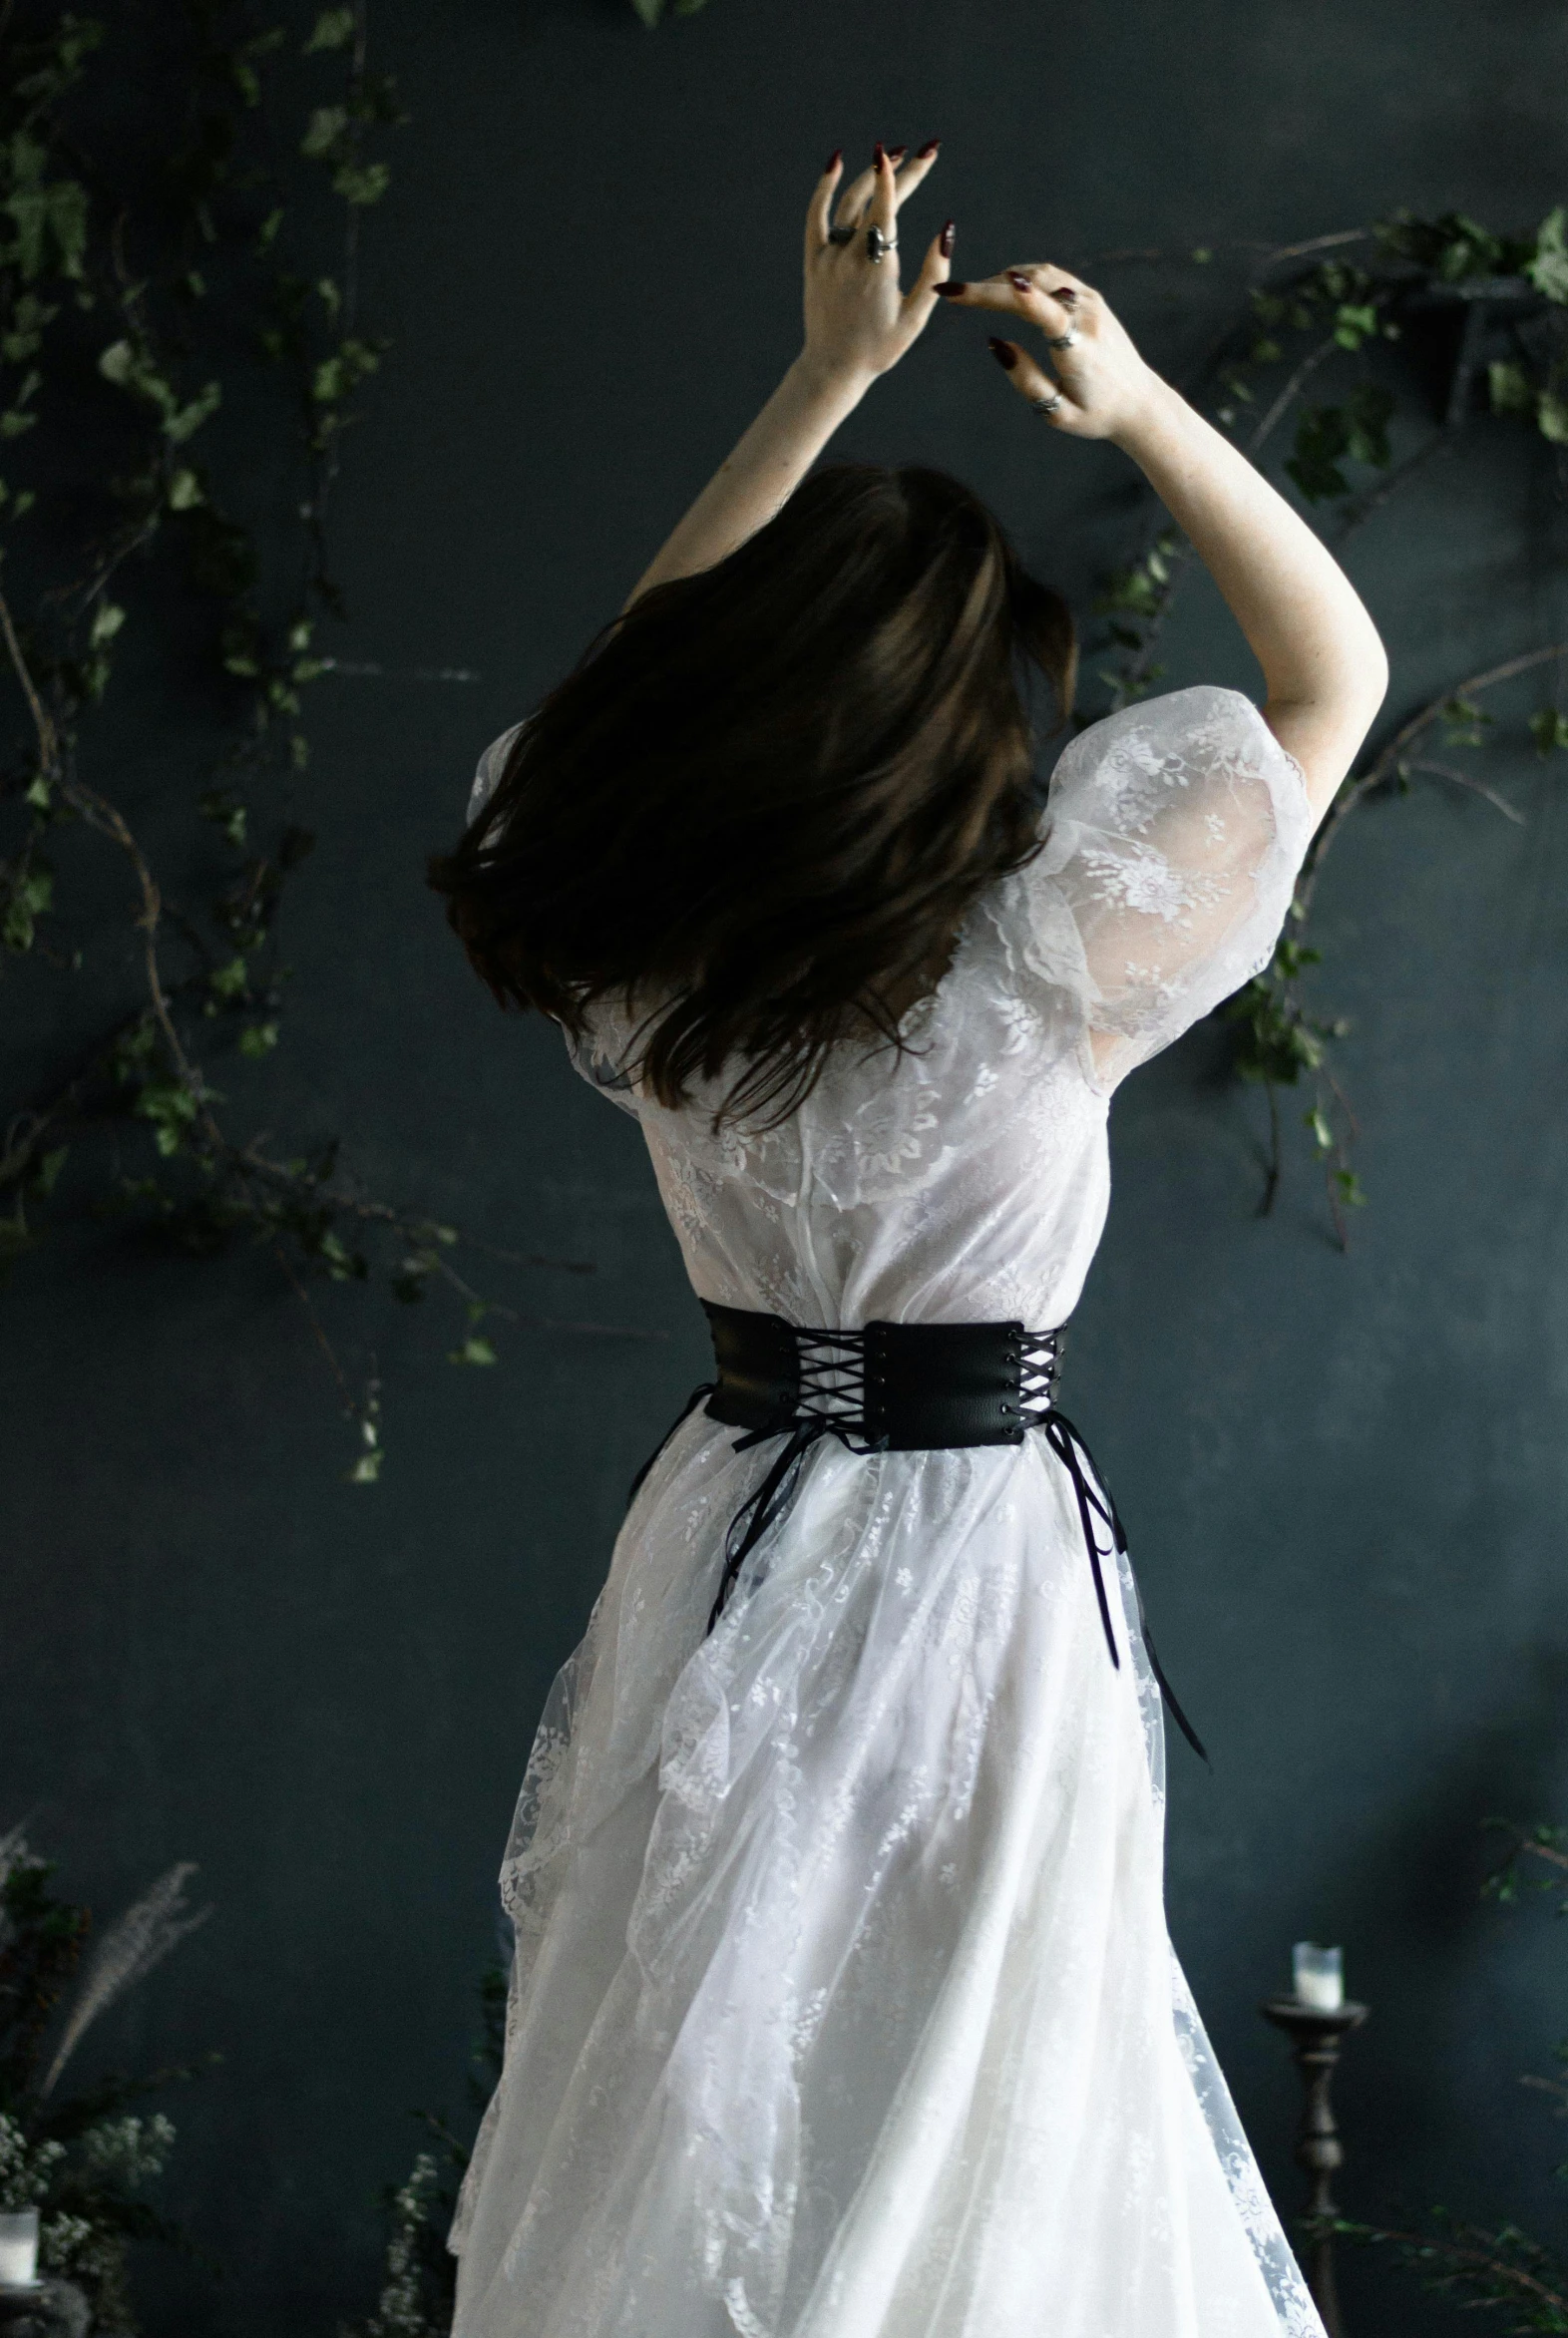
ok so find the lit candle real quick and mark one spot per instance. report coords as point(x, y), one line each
point(1319, 1975)
point(19, 2249)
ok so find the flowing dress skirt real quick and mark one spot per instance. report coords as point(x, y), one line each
point(844, 2004)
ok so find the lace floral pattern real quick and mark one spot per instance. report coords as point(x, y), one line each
point(844, 2004)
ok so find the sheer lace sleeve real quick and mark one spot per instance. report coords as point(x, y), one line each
point(1174, 831)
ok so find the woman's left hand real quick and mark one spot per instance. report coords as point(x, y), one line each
point(858, 323)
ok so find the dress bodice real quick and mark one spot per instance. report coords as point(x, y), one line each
point(966, 1177)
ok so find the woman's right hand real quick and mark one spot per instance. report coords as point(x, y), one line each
point(1105, 389)
point(859, 322)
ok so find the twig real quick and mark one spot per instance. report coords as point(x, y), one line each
point(1387, 758)
point(1270, 1182)
point(1497, 2267)
point(1302, 374)
point(1478, 786)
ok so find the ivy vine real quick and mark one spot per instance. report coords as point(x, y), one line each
point(1495, 309)
point(134, 305)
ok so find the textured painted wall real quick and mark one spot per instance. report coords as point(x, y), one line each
point(1345, 1477)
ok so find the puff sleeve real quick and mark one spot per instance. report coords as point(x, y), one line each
point(1174, 833)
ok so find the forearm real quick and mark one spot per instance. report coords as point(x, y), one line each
point(1322, 658)
point(760, 474)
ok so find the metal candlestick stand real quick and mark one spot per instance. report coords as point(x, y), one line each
point(1315, 2039)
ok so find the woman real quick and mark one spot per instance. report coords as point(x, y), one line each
point(844, 2004)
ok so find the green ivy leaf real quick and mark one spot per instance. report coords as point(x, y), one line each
point(179, 425)
point(1510, 388)
point(1547, 267)
point(172, 1107)
point(337, 376)
point(1325, 436)
point(475, 1350)
point(335, 29)
point(1549, 729)
point(342, 1263)
point(259, 1039)
point(1353, 324)
point(327, 125)
point(1551, 417)
point(361, 182)
point(108, 618)
point(1465, 723)
point(43, 214)
point(231, 980)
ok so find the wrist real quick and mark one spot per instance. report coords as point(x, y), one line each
point(1157, 411)
point(829, 385)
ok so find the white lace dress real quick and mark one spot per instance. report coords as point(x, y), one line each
point(844, 2004)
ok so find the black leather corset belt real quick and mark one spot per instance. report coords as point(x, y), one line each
point(898, 1389)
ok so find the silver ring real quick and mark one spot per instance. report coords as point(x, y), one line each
point(1063, 340)
point(879, 245)
point(1048, 405)
point(841, 234)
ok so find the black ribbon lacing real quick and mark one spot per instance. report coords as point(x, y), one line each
point(774, 1495)
point(1067, 1445)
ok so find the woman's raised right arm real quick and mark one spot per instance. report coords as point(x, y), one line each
point(1323, 661)
point(1322, 656)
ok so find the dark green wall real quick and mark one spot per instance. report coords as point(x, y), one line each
point(1345, 1477)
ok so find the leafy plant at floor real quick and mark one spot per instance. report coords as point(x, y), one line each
point(419, 2286)
point(138, 300)
point(1497, 2267)
point(82, 2159)
point(1310, 315)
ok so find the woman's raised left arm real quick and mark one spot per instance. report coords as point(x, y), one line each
point(857, 326)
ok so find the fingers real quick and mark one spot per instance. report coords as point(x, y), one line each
point(1034, 384)
point(853, 201)
point(921, 298)
point(856, 201)
point(884, 194)
point(918, 166)
point(1053, 300)
point(819, 211)
point(1032, 291)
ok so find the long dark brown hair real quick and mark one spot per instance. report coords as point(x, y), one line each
point(760, 805)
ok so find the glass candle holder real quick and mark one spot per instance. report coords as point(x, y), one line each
point(19, 2249)
point(1318, 1975)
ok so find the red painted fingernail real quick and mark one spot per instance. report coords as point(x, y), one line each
point(879, 155)
point(1023, 282)
point(928, 148)
point(948, 291)
point(834, 159)
point(1003, 352)
point(897, 154)
point(944, 246)
point(1065, 292)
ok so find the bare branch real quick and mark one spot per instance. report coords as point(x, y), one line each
point(1477, 787)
